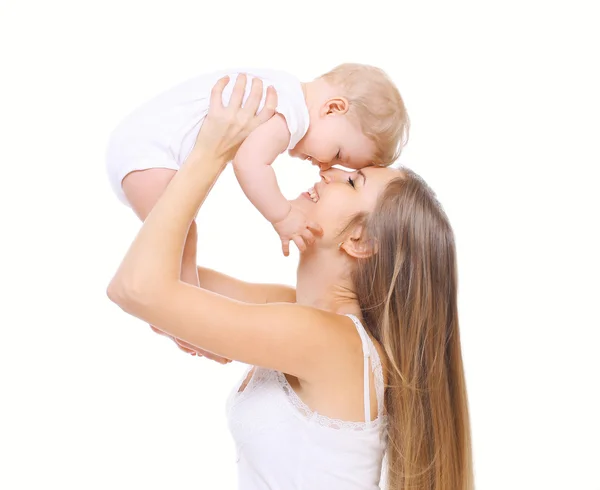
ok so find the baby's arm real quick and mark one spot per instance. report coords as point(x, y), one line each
point(252, 166)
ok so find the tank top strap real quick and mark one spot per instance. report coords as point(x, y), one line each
point(370, 353)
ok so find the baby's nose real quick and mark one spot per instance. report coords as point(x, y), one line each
point(323, 166)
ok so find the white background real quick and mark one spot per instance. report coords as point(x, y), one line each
point(504, 103)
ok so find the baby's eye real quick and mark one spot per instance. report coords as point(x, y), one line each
point(351, 182)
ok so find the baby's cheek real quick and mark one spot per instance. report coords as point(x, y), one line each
point(319, 147)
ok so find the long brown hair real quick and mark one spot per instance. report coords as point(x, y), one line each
point(408, 296)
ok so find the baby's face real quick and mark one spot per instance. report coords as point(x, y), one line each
point(335, 140)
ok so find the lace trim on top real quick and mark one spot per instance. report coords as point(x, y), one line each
point(323, 420)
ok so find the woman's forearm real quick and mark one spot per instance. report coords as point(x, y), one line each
point(154, 260)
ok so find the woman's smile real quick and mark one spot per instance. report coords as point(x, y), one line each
point(314, 195)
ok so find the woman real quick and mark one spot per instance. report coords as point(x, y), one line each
point(313, 413)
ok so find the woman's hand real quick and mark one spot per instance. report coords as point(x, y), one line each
point(192, 349)
point(225, 128)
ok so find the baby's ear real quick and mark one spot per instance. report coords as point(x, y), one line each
point(337, 105)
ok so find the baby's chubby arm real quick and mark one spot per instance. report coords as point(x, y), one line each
point(252, 166)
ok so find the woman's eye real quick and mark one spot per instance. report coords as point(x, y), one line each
point(351, 182)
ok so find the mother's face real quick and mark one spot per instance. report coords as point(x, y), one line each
point(341, 196)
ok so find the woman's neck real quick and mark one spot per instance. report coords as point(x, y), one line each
point(323, 281)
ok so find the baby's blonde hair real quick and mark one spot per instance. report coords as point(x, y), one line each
point(377, 105)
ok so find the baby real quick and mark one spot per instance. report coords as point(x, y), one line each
point(352, 116)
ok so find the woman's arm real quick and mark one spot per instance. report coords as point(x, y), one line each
point(143, 188)
point(247, 292)
point(233, 288)
point(147, 283)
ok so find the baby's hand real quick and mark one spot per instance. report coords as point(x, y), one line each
point(296, 227)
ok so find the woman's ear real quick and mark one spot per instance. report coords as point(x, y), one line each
point(337, 105)
point(358, 246)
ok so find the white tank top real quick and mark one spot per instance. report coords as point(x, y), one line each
point(283, 445)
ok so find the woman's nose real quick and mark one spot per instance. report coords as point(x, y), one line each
point(331, 174)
